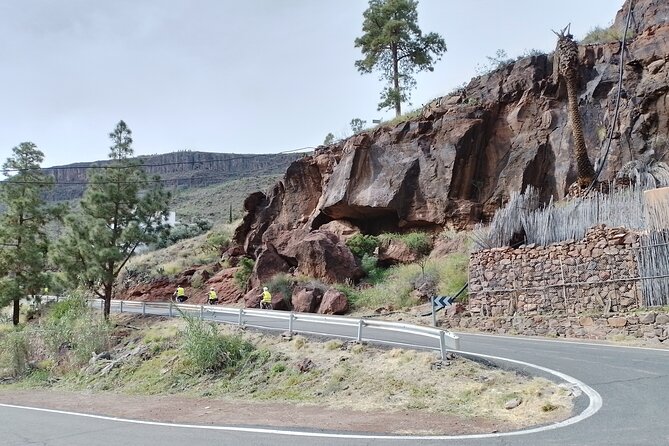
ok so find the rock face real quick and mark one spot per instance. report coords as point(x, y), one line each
point(459, 160)
point(334, 302)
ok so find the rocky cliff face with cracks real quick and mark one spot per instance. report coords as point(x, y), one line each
point(458, 161)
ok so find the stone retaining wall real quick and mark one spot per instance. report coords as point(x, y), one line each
point(596, 274)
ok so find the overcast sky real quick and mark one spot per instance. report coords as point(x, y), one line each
point(251, 76)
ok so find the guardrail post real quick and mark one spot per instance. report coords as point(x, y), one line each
point(102, 304)
point(170, 308)
point(291, 316)
point(120, 307)
point(360, 324)
point(442, 344)
point(241, 314)
point(56, 299)
point(143, 308)
point(201, 312)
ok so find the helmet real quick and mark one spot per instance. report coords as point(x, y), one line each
point(211, 288)
point(264, 289)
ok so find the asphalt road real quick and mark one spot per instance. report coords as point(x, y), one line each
point(633, 384)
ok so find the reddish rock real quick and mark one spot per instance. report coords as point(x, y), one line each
point(268, 264)
point(225, 286)
point(319, 254)
point(344, 229)
point(306, 300)
point(616, 322)
point(334, 302)
point(396, 251)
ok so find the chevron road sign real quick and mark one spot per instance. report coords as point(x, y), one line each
point(440, 302)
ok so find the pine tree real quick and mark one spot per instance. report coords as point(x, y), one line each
point(121, 209)
point(23, 241)
point(393, 44)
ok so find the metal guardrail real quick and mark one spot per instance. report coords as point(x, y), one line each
point(239, 316)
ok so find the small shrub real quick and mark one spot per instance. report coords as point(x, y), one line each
point(361, 244)
point(549, 407)
point(14, 352)
point(605, 35)
point(374, 273)
point(210, 351)
point(418, 242)
point(282, 283)
point(244, 273)
point(277, 368)
point(352, 294)
point(453, 274)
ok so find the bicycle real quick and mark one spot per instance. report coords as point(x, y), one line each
point(266, 305)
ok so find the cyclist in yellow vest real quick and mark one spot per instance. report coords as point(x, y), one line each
point(213, 298)
point(180, 294)
point(266, 302)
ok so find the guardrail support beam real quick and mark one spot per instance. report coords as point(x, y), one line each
point(143, 308)
point(360, 325)
point(442, 344)
point(120, 307)
point(201, 312)
point(240, 321)
point(291, 316)
point(170, 308)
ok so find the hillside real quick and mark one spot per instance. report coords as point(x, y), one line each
point(181, 170)
point(454, 163)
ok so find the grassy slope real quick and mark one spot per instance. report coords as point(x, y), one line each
point(153, 358)
point(213, 202)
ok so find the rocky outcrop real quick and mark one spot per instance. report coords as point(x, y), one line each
point(459, 160)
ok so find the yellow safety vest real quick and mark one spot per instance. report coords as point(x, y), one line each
point(180, 292)
point(212, 294)
point(266, 297)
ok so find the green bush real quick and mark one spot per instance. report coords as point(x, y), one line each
point(361, 244)
point(374, 273)
point(244, 273)
point(210, 351)
point(71, 325)
point(453, 274)
point(419, 243)
point(352, 294)
point(604, 35)
point(282, 283)
point(14, 352)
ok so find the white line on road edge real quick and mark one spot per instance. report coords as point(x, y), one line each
point(570, 341)
point(593, 407)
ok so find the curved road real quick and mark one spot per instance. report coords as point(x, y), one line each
point(633, 384)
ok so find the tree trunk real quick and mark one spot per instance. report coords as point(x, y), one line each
point(108, 296)
point(16, 312)
point(585, 171)
point(396, 81)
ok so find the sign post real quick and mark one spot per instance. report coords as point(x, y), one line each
point(439, 302)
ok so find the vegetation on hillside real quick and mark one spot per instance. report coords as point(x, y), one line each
point(150, 356)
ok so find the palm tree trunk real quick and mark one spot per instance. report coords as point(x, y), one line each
point(585, 171)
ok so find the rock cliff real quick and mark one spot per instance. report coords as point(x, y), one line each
point(457, 162)
point(182, 169)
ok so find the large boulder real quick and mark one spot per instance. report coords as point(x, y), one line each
point(334, 302)
point(396, 251)
point(268, 265)
point(319, 254)
point(344, 229)
point(306, 300)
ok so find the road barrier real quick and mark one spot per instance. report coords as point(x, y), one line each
point(244, 316)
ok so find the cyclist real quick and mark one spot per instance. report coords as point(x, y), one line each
point(180, 294)
point(266, 301)
point(213, 298)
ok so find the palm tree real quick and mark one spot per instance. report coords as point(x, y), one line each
point(566, 54)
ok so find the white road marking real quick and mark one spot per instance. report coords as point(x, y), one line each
point(594, 406)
